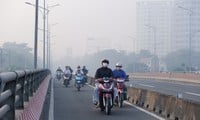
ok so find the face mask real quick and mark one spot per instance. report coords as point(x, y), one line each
point(105, 64)
point(118, 68)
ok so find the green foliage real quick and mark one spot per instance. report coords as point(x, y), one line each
point(179, 60)
point(17, 56)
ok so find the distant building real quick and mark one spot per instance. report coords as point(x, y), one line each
point(181, 25)
point(154, 20)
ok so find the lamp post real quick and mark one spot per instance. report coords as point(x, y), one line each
point(45, 12)
point(155, 44)
point(44, 17)
point(190, 36)
point(36, 34)
point(154, 36)
point(48, 33)
point(49, 44)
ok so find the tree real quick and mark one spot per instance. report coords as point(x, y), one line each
point(19, 56)
point(179, 60)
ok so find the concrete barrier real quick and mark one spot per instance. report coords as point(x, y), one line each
point(181, 77)
point(167, 106)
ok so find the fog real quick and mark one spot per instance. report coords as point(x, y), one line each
point(80, 28)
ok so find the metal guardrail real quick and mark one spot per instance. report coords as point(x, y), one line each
point(16, 88)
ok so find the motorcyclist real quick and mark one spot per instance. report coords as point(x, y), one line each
point(101, 72)
point(59, 70)
point(120, 73)
point(85, 72)
point(67, 71)
point(78, 72)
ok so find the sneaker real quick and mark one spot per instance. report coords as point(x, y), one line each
point(97, 105)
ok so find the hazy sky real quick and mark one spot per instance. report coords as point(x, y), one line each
point(106, 21)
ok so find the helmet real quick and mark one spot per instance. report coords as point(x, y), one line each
point(118, 65)
point(78, 66)
point(84, 67)
point(105, 61)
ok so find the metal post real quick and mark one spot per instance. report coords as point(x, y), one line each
point(190, 43)
point(47, 36)
point(44, 36)
point(36, 34)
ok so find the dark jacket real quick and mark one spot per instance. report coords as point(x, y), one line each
point(103, 72)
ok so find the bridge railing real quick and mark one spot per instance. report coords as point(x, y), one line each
point(16, 88)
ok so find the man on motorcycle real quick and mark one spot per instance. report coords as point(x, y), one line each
point(120, 73)
point(59, 71)
point(101, 72)
point(85, 72)
point(78, 71)
point(67, 71)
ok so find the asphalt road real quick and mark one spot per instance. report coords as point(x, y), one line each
point(185, 90)
point(69, 104)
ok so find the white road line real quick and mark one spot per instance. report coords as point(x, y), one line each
point(191, 93)
point(51, 108)
point(141, 109)
point(146, 85)
point(178, 83)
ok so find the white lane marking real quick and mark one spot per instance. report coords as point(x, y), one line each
point(141, 109)
point(191, 93)
point(146, 85)
point(178, 83)
point(51, 108)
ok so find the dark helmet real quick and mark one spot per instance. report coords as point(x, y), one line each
point(78, 66)
point(105, 61)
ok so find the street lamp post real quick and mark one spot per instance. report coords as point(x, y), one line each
point(45, 12)
point(44, 17)
point(154, 37)
point(155, 43)
point(36, 34)
point(48, 34)
point(190, 36)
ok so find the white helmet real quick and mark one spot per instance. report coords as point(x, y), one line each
point(118, 65)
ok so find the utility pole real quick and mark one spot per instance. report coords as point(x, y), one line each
point(44, 31)
point(36, 34)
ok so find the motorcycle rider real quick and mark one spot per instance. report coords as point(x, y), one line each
point(120, 73)
point(59, 70)
point(85, 72)
point(101, 72)
point(78, 71)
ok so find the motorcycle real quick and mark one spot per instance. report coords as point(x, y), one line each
point(66, 78)
point(106, 92)
point(79, 81)
point(120, 92)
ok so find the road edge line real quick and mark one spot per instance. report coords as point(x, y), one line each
point(51, 108)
